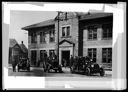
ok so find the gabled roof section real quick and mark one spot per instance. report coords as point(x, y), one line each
point(65, 40)
point(41, 24)
point(23, 48)
point(12, 43)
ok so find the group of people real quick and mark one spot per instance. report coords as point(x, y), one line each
point(78, 61)
point(48, 60)
point(21, 61)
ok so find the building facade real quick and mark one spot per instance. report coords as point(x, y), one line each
point(80, 34)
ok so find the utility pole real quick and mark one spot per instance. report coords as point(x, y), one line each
point(58, 37)
point(58, 19)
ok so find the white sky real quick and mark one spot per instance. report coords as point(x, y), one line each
point(19, 19)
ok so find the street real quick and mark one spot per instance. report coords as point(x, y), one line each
point(38, 72)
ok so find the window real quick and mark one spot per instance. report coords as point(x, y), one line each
point(107, 31)
point(33, 37)
point(63, 31)
point(42, 54)
point(107, 55)
point(92, 32)
point(52, 36)
point(51, 53)
point(42, 37)
point(33, 56)
point(92, 53)
point(66, 31)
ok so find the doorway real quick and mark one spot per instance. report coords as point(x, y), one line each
point(33, 57)
point(65, 56)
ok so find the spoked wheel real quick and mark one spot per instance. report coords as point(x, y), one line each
point(102, 72)
point(88, 72)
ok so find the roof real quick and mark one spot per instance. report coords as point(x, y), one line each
point(12, 42)
point(41, 24)
point(83, 16)
point(23, 48)
point(66, 40)
point(94, 15)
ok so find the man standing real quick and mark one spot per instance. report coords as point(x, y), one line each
point(14, 65)
point(71, 61)
point(45, 61)
point(65, 63)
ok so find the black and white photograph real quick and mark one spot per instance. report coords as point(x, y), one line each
point(64, 45)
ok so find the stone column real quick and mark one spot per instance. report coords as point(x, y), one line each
point(99, 56)
point(99, 32)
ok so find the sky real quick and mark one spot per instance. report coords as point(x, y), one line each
point(19, 19)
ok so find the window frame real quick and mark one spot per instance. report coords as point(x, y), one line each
point(105, 55)
point(92, 30)
point(109, 33)
point(43, 52)
point(42, 37)
point(65, 32)
point(52, 51)
point(52, 32)
point(92, 52)
point(33, 37)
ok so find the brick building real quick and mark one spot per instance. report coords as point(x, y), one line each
point(80, 34)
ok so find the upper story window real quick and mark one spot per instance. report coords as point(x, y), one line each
point(42, 37)
point(66, 31)
point(92, 32)
point(52, 36)
point(33, 37)
point(107, 31)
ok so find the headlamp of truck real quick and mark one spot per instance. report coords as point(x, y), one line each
point(92, 65)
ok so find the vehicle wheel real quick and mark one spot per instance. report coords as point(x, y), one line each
point(102, 72)
point(28, 69)
point(88, 72)
point(18, 69)
point(60, 70)
point(71, 70)
point(48, 71)
point(55, 71)
point(44, 70)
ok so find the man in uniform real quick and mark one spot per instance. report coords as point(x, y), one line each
point(71, 61)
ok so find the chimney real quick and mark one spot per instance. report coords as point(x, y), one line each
point(22, 42)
